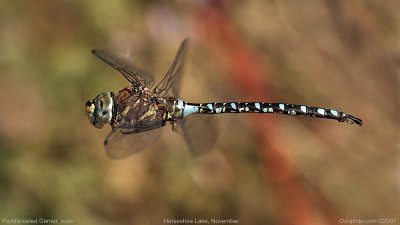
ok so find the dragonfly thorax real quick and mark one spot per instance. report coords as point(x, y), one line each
point(174, 109)
point(99, 111)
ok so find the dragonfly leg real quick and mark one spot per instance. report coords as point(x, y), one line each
point(174, 126)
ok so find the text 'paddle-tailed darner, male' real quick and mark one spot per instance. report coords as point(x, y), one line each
point(138, 112)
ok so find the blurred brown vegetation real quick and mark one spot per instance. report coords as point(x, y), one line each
point(334, 54)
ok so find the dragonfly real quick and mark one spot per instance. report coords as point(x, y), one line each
point(138, 112)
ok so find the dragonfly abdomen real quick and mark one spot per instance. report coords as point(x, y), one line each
point(263, 107)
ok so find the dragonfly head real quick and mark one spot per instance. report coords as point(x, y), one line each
point(99, 110)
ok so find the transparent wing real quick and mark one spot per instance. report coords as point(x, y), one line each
point(119, 145)
point(140, 127)
point(133, 75)
point(199, 132)
point(169, 85)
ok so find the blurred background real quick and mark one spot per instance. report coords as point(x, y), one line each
point(264, 169)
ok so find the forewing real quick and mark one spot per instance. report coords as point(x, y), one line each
point(140, 127)
point(199, 132)
point(133, 75)
point(169, 85)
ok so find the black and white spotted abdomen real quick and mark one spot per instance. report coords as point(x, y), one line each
point(263, 107)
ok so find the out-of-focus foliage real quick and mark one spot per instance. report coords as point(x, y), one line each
point(340, 55)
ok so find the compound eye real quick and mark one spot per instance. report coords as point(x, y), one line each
point(104, 109)
point(99, 110)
